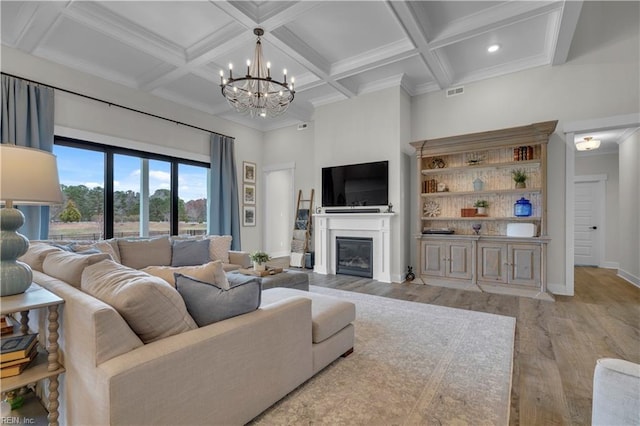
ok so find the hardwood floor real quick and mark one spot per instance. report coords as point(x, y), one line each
point(557, 343)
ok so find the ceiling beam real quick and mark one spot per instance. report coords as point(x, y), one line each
point(415, 30)
point(566, 29)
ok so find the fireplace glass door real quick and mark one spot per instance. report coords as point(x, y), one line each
point(354, 256)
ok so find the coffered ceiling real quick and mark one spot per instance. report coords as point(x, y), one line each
point(335, 49)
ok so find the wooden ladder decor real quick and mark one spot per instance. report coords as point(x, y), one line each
point(301, 229)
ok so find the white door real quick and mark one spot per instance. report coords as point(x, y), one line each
point(278, 215)
point(587, 229)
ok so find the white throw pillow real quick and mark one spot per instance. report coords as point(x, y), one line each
point(219, 246)
point(211, 273)
point(35, 255)
point(109, 246)
point(152, 308)
point(68, 266)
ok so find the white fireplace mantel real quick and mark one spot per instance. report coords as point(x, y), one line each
point(376, 226)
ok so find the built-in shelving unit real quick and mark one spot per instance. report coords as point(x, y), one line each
point(456, 172)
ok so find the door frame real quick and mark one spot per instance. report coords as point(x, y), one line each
point(291, 168)
point(601, 194)
point(570, 130)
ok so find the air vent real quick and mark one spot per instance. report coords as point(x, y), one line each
point(455, 91)
point(303, 126)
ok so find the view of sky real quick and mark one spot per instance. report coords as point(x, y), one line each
point(83, 167)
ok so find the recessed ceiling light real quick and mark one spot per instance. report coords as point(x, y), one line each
point(493, 48)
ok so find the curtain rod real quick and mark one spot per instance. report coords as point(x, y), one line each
point(116, 105)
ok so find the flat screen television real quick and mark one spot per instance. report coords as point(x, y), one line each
point(364, 184)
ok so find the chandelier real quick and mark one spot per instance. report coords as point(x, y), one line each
point(257, 94)
point(587, 144)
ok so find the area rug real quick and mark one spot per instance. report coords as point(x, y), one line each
point(413, 364)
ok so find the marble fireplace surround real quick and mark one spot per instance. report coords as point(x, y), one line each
point(377, 226)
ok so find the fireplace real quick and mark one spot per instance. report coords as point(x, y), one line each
point(374, 226)
point(354, 256)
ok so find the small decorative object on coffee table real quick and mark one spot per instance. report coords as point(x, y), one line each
point(266, 272)
point(259, 258)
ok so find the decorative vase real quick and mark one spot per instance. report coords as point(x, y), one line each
point(521, 184)
point(478, 184)
point(522, 208)
point(259, 267)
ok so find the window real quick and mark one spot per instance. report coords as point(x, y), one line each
point(81, 214)
point(192, 199)
point(117, 192)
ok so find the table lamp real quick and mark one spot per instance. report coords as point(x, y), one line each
point(27, 177)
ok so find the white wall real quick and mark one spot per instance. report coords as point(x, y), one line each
point(605, 164)
point(99, 122)
point(289, 145)
point(365, 129)
point(629, 207)
point(600, 79)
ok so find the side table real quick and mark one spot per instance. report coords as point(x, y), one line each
point(46, 365)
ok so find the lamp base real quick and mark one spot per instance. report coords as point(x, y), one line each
point(15, 276)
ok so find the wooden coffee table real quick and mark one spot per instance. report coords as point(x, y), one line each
point(287, 278)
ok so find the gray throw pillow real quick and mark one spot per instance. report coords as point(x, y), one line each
point(208, 303)
point(190, 252)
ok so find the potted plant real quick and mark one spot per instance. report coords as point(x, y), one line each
point(481, 205)
point(519, 177)
point(259, 259)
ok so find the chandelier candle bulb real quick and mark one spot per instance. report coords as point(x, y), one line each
point(269, 70)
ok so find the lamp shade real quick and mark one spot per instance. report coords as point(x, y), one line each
point(28, 176)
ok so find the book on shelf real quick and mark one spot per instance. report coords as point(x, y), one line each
point(17, 366)
point(16, 347)
point(6, 325)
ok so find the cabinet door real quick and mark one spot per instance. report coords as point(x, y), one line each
point(524, 262)
point(492, 262)
point(432, 255)
point(459, 262)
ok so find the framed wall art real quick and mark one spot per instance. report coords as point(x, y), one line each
point(249, 193)
point(248, 216)
point(248, 172)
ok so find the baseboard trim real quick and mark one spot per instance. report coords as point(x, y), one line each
point(610, 265)
point(559, 289)
point(629, 277)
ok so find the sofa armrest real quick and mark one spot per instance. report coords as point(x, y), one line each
point(239, 258)
point(225, 373)
point(616, 388)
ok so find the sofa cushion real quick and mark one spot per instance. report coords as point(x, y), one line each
point(210, 272)
point(109, 246)
point(208, 303)
point(68, 266)
point(219, 246)
point(139, 254)
point(152, 308)
point(189, 252)
point(329, 314)
point(36, 254)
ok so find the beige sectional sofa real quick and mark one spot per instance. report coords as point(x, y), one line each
point(226, 372)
